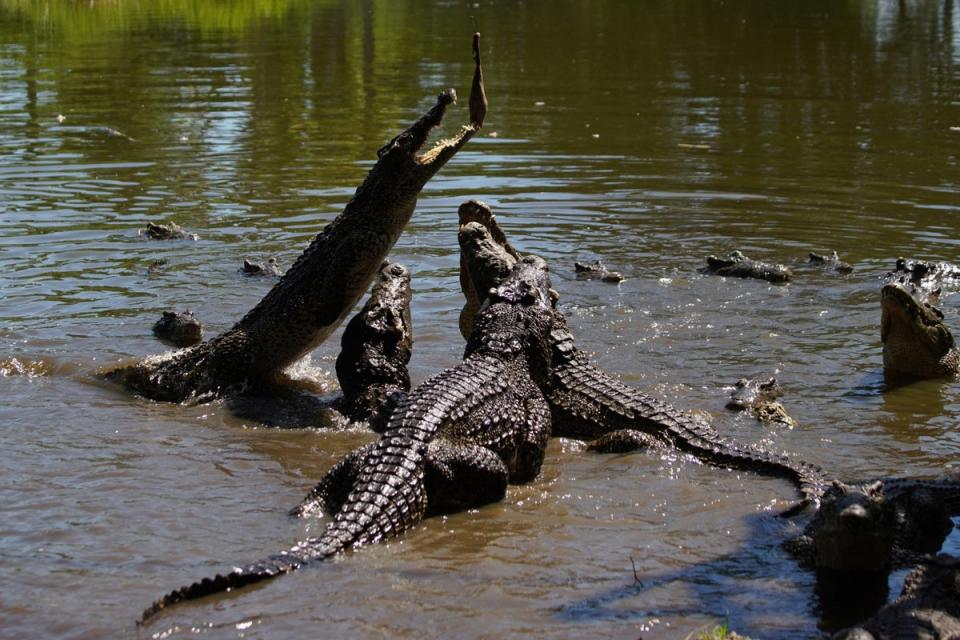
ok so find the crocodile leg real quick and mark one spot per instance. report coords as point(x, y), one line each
point(331, 492)
point(533, 441)
point(624, 441)
point(463, 476)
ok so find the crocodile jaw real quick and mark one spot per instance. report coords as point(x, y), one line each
point(916, 342)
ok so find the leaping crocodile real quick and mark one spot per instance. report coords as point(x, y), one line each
point(319, 290)
point(588, 404)
point(454, 442)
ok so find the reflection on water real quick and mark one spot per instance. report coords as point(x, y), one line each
point(645, 135)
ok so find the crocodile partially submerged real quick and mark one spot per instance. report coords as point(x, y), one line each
point(455, 442)
point(588, 404)
point(761, 398)
point(928, 607)
point(167, 231)
point(180, 328)
point(877, 526)
point(737, 265)
point(317, 293)
point(928, 276)
point(829, 261)
point(862, 531)
point(371, 368)
point(916, 342)
point(268, 268)
point(596, 270)
point(375, 349)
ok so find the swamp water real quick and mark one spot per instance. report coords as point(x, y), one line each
point(647, 135)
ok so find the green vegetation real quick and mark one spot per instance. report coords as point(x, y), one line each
point(67, 17)
point(716, 632)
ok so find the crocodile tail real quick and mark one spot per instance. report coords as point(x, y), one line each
point(588, 402)
point(702, 440)
point(221, 583)
point(388, 498)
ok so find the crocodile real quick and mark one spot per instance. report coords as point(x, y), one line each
point(928, 607)
point(455, 442)
point(928, 276)
point(738, 265)
point(168, 231)
point(317, 293)
point(180, 328)
point(876, 526)
point(375, 349)
point(761, 399)
point(268, 268)
point(587, 403)
point(830, 261)
point(596, 269)
point(916, 342)
point(371, 367)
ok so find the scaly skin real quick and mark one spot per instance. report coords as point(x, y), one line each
point(454, 442)
point(929, 277)
point(375, 349)
point(588, 404)
point(916, 342)
point(928, 607)
point(319, 290)
point(740, 266)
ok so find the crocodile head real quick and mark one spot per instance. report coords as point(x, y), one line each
point(402, 169)
point(485, 260)
point(854, 530)
point(516, 317)
point(747, 393)
point(916, 342)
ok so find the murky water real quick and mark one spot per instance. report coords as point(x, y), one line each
point(647, 135)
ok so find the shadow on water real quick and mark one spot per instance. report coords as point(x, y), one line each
point(750, 588)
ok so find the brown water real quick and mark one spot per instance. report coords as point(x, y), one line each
point(644, 134)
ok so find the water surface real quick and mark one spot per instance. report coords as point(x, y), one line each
point(647, 135)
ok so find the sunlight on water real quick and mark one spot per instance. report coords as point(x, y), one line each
point(646, 136)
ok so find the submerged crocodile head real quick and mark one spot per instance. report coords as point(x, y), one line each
point(853, 530)
point(916, 342)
